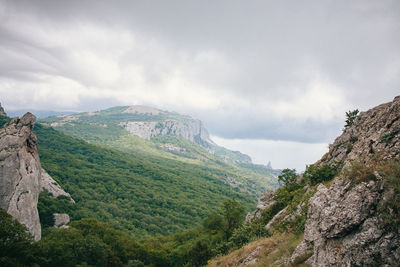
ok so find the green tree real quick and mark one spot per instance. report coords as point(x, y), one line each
point(350, 118)
point(15, 242)
point(200, 253)
point(234, 216)
point(287, 177)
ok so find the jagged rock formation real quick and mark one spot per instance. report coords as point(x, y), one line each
point(192, 130)
point(344, 222)
point(375, 131)
point(21, 175)
point(20, 172)
point(48, 184)
point(61, 220)
point(2, 112)
point(264, 202)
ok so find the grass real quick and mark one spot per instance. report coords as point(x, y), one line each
point(273, 251)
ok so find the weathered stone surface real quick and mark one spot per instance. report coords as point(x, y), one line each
point(264, 202)
point(344, 226)
point(48, 184)
point(252, 258)
point(20, 172)
point(376, 131)
point(192, 130)
point(60, 220)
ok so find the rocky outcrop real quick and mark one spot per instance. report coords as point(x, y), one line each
point(21, 175)
point(50, 185)
point(61, 220)
point(264, 202)
point(192, 130)
point(344, 227)
point(376, 131)
point(2, 112)
point(20, 172)
point(344, 224)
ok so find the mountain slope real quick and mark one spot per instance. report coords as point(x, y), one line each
point(343, 211)
point(145, 130)
point(134, 192)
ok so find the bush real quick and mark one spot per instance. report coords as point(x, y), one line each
point(391, 215)
point(318, 174)
point(288, 177)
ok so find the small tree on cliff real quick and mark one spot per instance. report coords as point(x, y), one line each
point(350, 118)
point(287, 177)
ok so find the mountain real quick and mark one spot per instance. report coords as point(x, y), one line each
point(139, 193)
point(140, 129)
point(344, 210)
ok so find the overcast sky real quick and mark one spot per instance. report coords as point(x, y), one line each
point(270, 78)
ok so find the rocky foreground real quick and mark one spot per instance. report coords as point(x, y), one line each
point(351, 219)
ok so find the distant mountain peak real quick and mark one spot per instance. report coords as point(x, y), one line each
point(138, 109)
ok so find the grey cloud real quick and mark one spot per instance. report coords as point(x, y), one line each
point(277, 46)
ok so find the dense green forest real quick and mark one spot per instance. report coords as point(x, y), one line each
point(104, 128)
point(133, 192)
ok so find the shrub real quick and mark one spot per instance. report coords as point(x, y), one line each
point(288, 177)
point(318, 174)
point(391, 173)
point(359, 172)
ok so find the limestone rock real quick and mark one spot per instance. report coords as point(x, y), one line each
point(376, 131)
point(20, 172)
point(344, 229)
point(344, 226)
point(192, 130)
point(60, 220)
point(48, 184)
point(264, 202)
point(252, 258)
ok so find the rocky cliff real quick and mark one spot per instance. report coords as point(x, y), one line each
point(21, 175)
point(347, 203)
point(192, 130)
point(348, 222)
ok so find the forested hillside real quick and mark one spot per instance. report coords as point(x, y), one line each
point(133, 192)
point(165, 135)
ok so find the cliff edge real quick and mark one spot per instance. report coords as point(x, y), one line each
point(21, 175)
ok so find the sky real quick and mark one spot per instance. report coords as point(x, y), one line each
point(272, 79)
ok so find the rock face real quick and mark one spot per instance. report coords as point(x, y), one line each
point(20, 172)
point(48, 184)
point(344, 225)
point(264, 202)
point(60, 220)
point(376, 131)
point(191, 130)
point(21, 175)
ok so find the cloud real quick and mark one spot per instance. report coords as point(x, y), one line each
point(261, 70)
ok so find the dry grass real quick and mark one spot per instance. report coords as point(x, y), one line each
point(275, 250)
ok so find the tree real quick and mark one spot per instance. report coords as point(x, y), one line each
point(350, 118)
point(287, 177)
point(234, 216)
point(15, 242)
point(200, 253)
